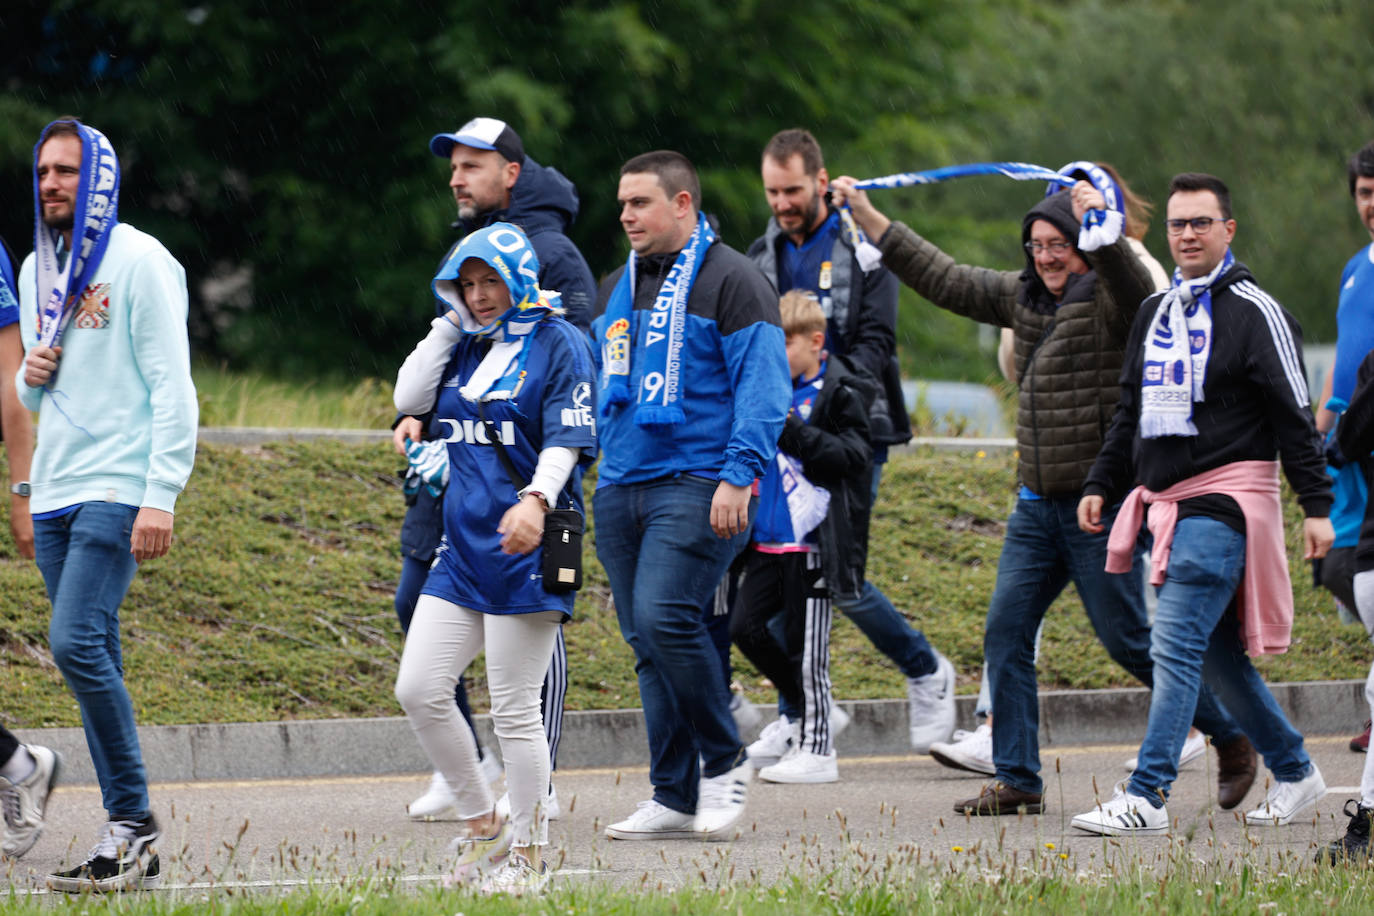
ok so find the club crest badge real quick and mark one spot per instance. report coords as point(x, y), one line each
point(94, 309)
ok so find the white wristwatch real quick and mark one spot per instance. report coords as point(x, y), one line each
point(20, 489)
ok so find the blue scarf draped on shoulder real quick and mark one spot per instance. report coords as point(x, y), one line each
point(660, 382)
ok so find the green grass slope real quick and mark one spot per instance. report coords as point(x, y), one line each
point(275, 602)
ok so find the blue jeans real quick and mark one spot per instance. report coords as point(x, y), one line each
point(1196, 640)
point(1043, 551)
point(882, 624)
point(664, 561)
point(889, 631)
point(87, 567)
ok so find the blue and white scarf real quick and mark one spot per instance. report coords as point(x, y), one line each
point(1100, 227)
point(509, 252)
point(663, 340)
point(1176, 350)
point(95, 213)
point(868, 254)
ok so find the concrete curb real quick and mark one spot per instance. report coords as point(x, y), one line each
point(616, 738)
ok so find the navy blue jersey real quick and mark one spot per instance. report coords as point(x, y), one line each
point(554, 406)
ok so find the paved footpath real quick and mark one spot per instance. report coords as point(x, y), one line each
point(896, 810)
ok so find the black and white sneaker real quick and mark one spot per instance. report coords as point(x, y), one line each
point(1124, 815)
point(1353, 848)
point(123, 860)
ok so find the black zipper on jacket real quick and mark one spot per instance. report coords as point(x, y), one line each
point(1035, 425)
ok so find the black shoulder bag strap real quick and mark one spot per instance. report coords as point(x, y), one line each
point(561, 546)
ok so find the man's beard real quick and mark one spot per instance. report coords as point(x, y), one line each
point(808, 216)
point(60, 223)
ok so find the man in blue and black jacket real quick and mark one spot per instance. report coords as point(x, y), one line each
point(694, 392)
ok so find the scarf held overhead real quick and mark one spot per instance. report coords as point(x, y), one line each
point(868, 254)
point(95, 212)
point(660, 382)
point(1099, 227)
point(1176, 350)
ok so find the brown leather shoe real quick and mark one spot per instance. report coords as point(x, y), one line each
point(1235, 771)
point(999, 798)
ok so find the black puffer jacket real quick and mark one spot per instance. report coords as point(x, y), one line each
point(1068, 355)
point(835, 453)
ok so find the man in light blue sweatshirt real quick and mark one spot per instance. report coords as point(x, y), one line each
point(107, 368)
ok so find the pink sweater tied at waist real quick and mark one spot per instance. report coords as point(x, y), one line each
point(1264, 597)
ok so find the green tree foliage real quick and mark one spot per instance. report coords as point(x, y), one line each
point(285, 144)
point(1273, 97)
point(292, 138)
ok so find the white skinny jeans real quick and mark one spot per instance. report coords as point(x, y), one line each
point(444, 638)
point(1364, 605)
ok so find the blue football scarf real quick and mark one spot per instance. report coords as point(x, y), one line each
point(663, 340)
point(509, 252)
point(1097, 225)
point(1176, 350)
point(95, 214)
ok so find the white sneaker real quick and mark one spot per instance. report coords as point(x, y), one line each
point(516, 877)
point(839, 720)
point(552, 810)
point(1125, 815)
point(720, 803)
point(931, 700)
point(25, 802)
point(1193, 748)
point(1286, 800)
point(437, 802)
point(478, 856)
point(773, 742)
point(745, 714)
point(970, 751)
point(802, 766)
point(652, 821)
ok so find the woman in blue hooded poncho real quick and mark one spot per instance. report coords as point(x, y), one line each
point(500, 362)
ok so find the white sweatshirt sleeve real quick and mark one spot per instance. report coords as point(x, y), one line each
point(418, 381)
point(555, 465)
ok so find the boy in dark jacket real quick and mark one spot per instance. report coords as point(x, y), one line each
point(810, 538)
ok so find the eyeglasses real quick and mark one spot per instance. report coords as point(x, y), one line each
point(1054, 248)
point(1201, 224)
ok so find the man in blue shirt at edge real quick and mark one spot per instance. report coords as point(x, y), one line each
point(695, 390)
